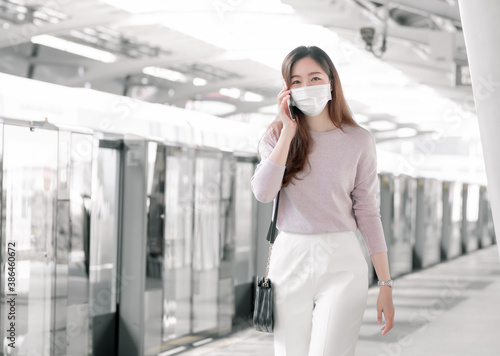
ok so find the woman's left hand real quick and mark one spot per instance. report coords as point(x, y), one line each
point(384, 304)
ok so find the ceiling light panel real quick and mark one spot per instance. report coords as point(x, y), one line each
point(75, 48)
point(382, 125)
point(198, 82)
point(21, 14)
point(406, 132)
point(266, 91)
point(165, 73)
point(234, 93)
point(113, 41)
point(250, 96)
point(207, 72)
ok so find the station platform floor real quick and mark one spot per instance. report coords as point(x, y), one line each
point(449, 309)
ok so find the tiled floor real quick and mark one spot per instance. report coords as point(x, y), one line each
point(451, 309)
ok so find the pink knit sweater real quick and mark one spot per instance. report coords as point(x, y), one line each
point(338, 193)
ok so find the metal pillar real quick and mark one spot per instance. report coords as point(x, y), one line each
point(482, 39)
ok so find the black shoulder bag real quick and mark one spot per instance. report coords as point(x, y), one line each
point(263, 305)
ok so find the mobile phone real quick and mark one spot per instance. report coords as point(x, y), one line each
point(290, 106)
point(290, 109)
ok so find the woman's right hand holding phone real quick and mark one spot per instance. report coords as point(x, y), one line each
point(289, 125)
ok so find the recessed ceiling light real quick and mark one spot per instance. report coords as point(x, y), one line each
point(22, 9)
point(382, 125)
point(75, 48)
point(199, 82)
point(41, 15)
point(406, 132)
point(252, 97)
point(165, 73)
point(230, 92)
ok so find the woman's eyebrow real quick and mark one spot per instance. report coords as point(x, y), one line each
point(296, 75)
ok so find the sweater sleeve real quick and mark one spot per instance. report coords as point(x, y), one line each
point(268, 176)
point(364, 195)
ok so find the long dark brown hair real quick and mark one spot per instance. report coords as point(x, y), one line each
point(338, 110)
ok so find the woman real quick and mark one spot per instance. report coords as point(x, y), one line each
point(319, 273)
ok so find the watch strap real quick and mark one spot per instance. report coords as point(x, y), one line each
point(389, 283)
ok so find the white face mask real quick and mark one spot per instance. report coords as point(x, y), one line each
point(311, 100)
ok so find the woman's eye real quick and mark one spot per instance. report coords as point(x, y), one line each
point(296, 82)
point(316, 78)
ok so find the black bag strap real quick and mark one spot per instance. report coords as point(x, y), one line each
point(272, 232)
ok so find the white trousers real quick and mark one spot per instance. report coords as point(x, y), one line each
point(320, 284)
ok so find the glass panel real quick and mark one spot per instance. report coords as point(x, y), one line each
point(156, 214)
point(455, 216)
point(434, 212)
point(473, 203)
point(491, 227)
point(104, 233)
point(226, 303)
point(81, 174)
point(206, 243)
point(61, 339)
point(245, 266)
point(78, 256)
point(482, 222)
point(408, 205)
point(30, 191)
point(62, 245)
point(178, 238)
point(401, 249)
point(385, 202)
point(456, 212)
point(472, 216)
point(227, 210)
point(154, 249)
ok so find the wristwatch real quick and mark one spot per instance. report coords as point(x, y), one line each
point(389, 283)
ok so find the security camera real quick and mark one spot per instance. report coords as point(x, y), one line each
point(368, 33)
